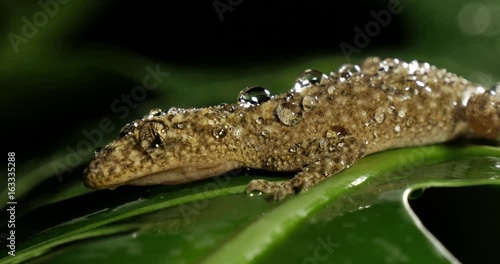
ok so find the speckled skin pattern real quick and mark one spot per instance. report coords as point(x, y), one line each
point(322, 126)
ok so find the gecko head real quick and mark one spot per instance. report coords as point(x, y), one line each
point(162, 148)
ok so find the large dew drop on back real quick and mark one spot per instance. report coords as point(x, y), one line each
point(307, 78)
point(347, 70)
point(253, 96)
point(289, 114)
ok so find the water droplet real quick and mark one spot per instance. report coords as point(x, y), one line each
point(389, 65)
point(264, 133)
point(179, 125)
point(293, 149)
point(309, 103)
point(322, 143)
point(155, 112)
point(418, 67)
point(307, 78)
point(495, 89)
point(336, 131)
point(289, 114)
point(384, 67)
point(255, 193)
point(229, 107)
point(397, 128)
point(174, 110)
point(219, 132)
point(390, 109)
point(379, 116)
point(237, 131)
point(253, 96)
point(413, 67)
point(347, 70)
point(402, 113)
point(403, 67)
point(371, 65)
point(425, 65)
point(331, 89)
point(259, 120)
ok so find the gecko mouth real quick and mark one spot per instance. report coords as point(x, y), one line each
point(184, 174)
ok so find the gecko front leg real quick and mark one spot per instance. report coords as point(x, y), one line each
point(328, 158)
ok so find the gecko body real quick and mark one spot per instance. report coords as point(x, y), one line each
point(322, 126)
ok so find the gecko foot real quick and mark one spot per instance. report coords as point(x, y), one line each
point(278, 190)
point(349, 150)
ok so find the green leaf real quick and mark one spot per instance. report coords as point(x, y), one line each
point(362, 209)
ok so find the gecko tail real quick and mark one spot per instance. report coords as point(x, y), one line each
point(483, 114)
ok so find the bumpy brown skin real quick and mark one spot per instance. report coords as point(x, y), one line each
point(318, 131)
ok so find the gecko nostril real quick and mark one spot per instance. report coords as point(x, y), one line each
point(128, 128)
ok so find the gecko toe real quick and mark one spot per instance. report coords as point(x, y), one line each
point(282, 194)
point(277, 190)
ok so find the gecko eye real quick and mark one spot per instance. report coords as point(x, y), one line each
point(152, 137)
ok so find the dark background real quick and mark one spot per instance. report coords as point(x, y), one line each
point(87, 54)
point(252, 32)
point(58, 88)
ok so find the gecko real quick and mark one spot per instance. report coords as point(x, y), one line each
point(323, 125)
